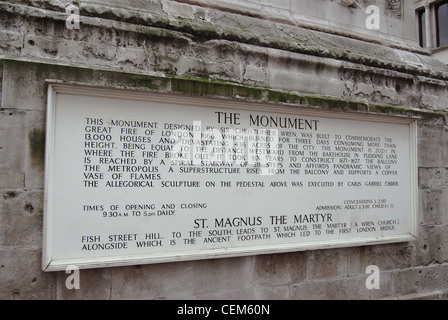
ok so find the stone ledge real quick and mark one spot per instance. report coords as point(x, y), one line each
point(224, 25)
point(206, 88)
point(434, 295)
point(12, 180)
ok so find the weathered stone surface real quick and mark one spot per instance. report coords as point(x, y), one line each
point(431, 247)
point(386, 257)
point(278, 269)
point(199, 279)
point(16, 98)
point(195, 46)
point(342, 288)
point(276, 52)
point(420, 279)
point(280, 292)
point(21, 276)
point(327, 263)
point(222, 24)
point(21, 217)
point(12, 180)
point(298, 72)
point(12, 135)
point(433, 138)
point(433, 178)
point(272, 276)
point(35, 147)
point(434, 206)
point(154, 281)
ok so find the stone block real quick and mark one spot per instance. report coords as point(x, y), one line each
point(35, 149)
point(21, 276)
point(344, 288)
point(421, 279)
point(330, 263)
point(21, 217)
point(10, 41)
point(184, 10)
point(354, 264)
point(247, 29)
point(304, 7)
point(131, 58)
point(200, 61)
point(9, 21)
point(1, 83)
point(23, 87)
point(280, 15)
point(154, 281)
point(175, 56)
point(225, 60)
point(302, 73)
point(91, 45)
point(434, 205)
point(434, 95)
point(280, 292)
point(236, 294)
point(277, 269)
point(12, 141)
point(203, 279)
point(40, 46)
point(386, 257)
point(216, 275)
point(432, 295)
point(432, 245)
point(282, 4)
point(432, 145)
point(12, 180)
point(147, 5)
point(432, 178)
point(255, 65)
point(379, 87)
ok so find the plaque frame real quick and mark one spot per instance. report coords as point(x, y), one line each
point(49, 263)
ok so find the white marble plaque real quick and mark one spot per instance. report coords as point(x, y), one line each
point(135, 178)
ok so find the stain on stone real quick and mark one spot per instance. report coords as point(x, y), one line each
point(36, 139)
point(10, 195)
point(29, 208)
point(1, 82)
point(15, 294)
point(393, 9)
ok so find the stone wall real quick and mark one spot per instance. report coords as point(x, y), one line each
point(251, 51)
